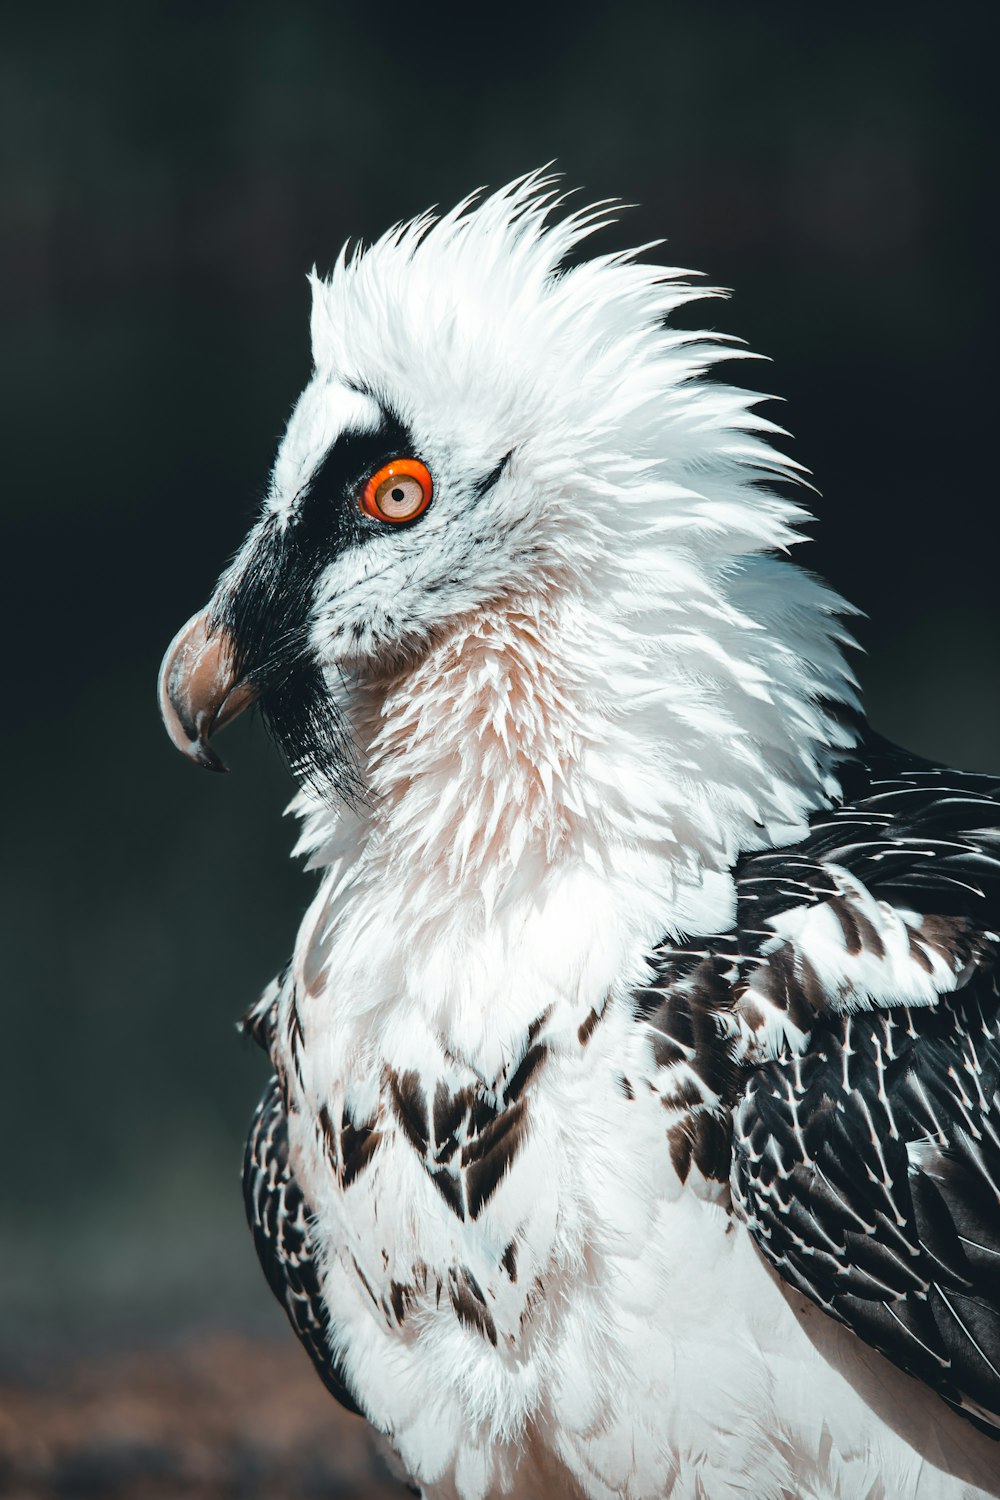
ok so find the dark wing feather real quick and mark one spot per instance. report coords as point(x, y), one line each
point(916, 834)
point(868, 1171)
point(279, 1218)
point(868, 1168)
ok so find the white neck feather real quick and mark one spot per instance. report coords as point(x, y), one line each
point(557, 785)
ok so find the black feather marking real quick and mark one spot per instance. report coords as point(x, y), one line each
point(686, 1012)
point(679, 1142)
point(589, 1025)
point(358, 1144)
point(848, 924)
point(450, 1188)
point(328, 1135)
point(365, 1282)
point(295, 1035)
point(509, 1261)
point(484, 485)
point(259, 1024)
point(411, 1107)
point(279, 1219)
point(525, 1071)
point(470, 1304)
point(681, 1091)
point(449, 1112)
point(261, 1019)
point(488, 1155)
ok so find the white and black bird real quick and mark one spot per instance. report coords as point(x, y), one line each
point(635, 1126)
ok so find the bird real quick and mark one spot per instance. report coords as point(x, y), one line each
point(634, 1127)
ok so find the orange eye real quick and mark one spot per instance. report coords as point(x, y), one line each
point(399, 491)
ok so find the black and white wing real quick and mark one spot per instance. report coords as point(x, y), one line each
point(868, 1171)
point(866, 1158)
point(279, 1218)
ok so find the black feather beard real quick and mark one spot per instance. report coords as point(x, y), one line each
point(266, 612)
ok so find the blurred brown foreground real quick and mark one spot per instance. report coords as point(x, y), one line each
point(221, 1419)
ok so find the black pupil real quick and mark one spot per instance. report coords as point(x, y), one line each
point(398, 495)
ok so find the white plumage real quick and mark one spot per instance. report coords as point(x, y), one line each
point(573, 706)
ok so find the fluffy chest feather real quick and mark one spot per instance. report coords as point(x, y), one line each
point(524, 1293)
point(486, 1241)
point(452, 1146)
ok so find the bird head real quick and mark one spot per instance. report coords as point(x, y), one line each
point(489, 429)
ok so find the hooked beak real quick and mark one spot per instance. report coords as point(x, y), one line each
point(199, 690)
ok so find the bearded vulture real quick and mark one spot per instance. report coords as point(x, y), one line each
point(635, 1121)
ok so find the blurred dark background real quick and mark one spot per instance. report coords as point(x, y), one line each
point(171, 172)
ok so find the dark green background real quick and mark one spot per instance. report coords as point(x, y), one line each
point(172, 172)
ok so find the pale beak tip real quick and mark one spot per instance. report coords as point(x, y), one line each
point(202, 754)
